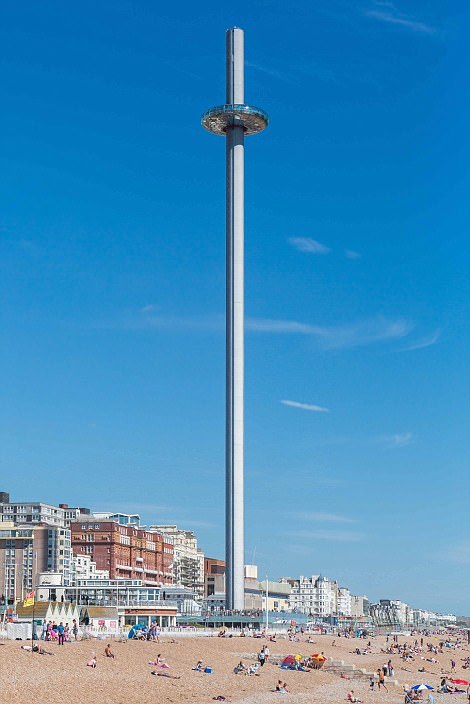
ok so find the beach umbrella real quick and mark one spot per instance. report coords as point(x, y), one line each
point(421, 687)
point(465, 682)
point(288, 660)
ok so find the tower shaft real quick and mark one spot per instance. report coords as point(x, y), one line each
point(235, 197)
point(234, 120)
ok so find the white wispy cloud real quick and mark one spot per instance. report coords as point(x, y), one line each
point(357, 334)
point(306, 244)
point(351, 254)
point(321, 517)
point(423, 342)
point(342, 536)
point(306, 406)
point(397, 440)
point(388, 13)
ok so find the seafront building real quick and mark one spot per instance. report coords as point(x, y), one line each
point(275, 595)
point(398, 614)
point(27, 550)
point(214, 576)
point(321, 597)
point(125, 551)
point(344, 602)
point(83, 567)
point(33, 512)
point(316, 595)
point(188, 558)
point(124, 519)
point(359, 606)
point(109, 559)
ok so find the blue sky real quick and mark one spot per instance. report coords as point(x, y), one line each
point(357, 257)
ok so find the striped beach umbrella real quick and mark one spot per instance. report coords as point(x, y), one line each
point(421, 687)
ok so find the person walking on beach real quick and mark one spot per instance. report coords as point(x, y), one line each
point(261, 656)
point(452, 665)
point(75, 629)
point(381, 682)
point(60, 633)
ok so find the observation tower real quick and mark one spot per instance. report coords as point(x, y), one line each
point(233, 121)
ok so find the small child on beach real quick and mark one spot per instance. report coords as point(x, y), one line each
point(92, 662)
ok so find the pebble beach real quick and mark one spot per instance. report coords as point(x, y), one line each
point(29, 677)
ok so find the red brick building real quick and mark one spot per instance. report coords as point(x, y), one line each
point(214, 576)
point(125, 551)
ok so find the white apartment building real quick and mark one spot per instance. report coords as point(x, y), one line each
point(83, 567)
point(188, 559)
point(31, 512)
point(303, 596)
point(445, 618)
point(73, 513)
point(327, 596)
point(315, 595)
point(344, 602)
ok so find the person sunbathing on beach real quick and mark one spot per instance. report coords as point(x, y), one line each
point(36, 649)
point(352, 698)
point(92, 662)
point(240, 668)
point(165, 674)
point(108, 652)
point(281, 687)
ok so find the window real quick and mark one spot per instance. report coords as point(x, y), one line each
point(83, 526)
point(97, 526)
